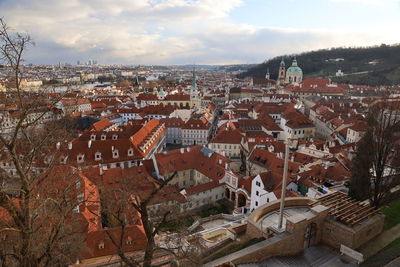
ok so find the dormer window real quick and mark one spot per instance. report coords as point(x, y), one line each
point(97, 156)
point(80, 158)
point(130, 152)
point(115, 137)
point(115, 154)
point(103, 137)
point(129, 240)
point(93, 137)
point(101, 245)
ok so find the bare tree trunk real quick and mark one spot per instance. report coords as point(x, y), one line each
point(149, 252)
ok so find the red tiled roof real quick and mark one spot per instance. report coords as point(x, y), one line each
point(359, 127)
point(202, 159)
point(297, 120)
point(230, 136)
point(172, 122)
point(177, 97)
point(203, 187)
point(199, 124)
point(101, 125)
point(270, 161)
point(140, 143)
point(333, 173)
point(100, 244)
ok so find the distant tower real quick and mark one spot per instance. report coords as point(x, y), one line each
point(267, 74)
point(194, 93)
point(194, 85)
point(281, 73)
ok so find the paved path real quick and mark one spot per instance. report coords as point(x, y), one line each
point(394, 263)
point(381, 241)
point(316, 256)
point(241, 253)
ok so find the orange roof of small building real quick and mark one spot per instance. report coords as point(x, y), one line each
point(230, 136)
point(200, 158)
point(177, 97)
point(101, 125)
point(295, 120)
point(271, 161)
point(203, 187)
point(99, 243)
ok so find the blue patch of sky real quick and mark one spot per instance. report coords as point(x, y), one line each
point(317, 14)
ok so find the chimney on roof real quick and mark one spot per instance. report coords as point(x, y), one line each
point(182, 150)
point(89, 143)
point(226, 166)
point(326, 164)
point(220, 161)
point(70, 145)
point(188, 149)
point(58, 145)
point(100, 169)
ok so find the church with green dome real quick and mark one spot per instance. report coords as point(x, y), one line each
point(293, 75)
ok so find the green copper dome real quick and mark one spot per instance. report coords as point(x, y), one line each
point(294, 69)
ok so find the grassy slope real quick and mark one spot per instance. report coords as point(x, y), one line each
point(392, 213)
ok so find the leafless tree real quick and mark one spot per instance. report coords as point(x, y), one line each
point(137, 195)
point(376, 164)
point(37, 222)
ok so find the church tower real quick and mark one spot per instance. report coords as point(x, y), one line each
point(281, 73)
point(194, 93)
point(267, 74)
point(194, 85)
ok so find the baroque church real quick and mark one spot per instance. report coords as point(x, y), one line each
point(293, 75)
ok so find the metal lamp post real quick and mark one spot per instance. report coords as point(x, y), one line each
point(283, 194)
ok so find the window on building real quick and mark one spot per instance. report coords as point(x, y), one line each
point(256, 203)
point(257, 193)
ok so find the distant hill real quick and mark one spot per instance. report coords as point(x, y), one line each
point(378, 65)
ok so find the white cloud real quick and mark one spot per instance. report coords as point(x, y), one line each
point(160, 32)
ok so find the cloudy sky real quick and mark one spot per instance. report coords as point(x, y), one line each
point(196, 31)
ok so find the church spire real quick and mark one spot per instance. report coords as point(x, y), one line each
point(294, 63)
point(267, 74)
point(282, 64)
point(194, 85)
